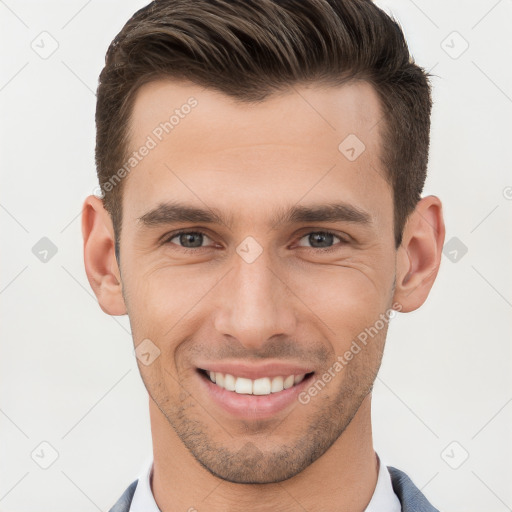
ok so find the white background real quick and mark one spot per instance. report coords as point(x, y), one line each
point(67, 370)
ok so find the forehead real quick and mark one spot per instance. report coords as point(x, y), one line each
point(205, 146)
point(328, 111)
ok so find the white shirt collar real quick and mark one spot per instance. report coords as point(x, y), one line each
point(383, 500)
point(143, 499)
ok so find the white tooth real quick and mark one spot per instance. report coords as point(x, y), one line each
point(288, 382)
point(229, 382)
point(243, 386)
point(277, 384)
point(261, 386)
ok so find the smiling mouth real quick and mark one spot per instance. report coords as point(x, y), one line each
point(261, 386)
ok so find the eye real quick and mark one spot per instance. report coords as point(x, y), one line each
point(194, 240)
point(320, 240)
point(188, 239)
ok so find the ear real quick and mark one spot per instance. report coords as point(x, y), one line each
point(99, 257)
point(419, 255)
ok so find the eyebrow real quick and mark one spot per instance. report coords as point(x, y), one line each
point(176, 212)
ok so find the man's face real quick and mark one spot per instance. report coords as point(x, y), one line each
point(257, 294)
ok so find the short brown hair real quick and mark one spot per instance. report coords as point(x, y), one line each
point(248, 49)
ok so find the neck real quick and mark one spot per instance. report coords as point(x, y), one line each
point(343, 478)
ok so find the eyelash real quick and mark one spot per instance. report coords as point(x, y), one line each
point(168, 239)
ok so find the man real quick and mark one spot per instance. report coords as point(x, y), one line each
point(261, 221)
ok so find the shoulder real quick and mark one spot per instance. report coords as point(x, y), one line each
point(123, 503)
point(411, 498)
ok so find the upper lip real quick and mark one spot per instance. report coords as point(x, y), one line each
point(256, 371)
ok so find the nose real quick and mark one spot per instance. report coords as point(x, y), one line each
point(255, 304)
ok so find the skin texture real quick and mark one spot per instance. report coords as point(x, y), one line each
point(295, 303)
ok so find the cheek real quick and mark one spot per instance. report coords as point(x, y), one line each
point(163, 304)
point(157, 298)
point(345, 300)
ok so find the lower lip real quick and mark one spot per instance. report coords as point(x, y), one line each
point(252, 406)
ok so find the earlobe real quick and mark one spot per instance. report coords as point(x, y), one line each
point(419, 255)
point(99, 257)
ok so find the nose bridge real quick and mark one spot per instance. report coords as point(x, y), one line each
point(256, 304)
